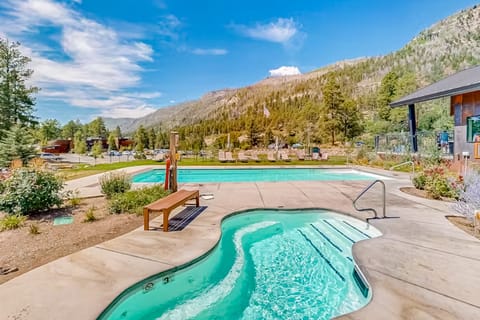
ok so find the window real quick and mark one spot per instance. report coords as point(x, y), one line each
point(473, 129)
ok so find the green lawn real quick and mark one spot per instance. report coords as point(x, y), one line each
point(87, 170)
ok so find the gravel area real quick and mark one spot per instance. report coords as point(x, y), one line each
point(22, 251)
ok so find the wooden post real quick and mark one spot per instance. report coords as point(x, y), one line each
point(173, 159)
point(146, 219)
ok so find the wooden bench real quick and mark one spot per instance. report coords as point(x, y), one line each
point(167, 204)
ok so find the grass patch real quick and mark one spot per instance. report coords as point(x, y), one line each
point(133, 201)
point(90, 215)
point(33, 229)
point(12, 221)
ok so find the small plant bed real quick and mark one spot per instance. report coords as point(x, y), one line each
point(422, 194)
point(38, 241)
point(464, 224)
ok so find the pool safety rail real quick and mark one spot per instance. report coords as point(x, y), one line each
point(405, 163)
point(384, 214)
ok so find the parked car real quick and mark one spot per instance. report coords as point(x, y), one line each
point(114, 153)
point(49, 156)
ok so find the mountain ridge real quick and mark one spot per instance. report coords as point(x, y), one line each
point(450, 45)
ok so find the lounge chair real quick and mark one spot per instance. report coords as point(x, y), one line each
point(301, 155)
point(229, 156)
point(242, 157)
point(284, 156)
point(254, 157)
point(271, 157)
point(221, 156)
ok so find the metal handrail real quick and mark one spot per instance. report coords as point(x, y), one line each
point(404, 163)
point(372, 209)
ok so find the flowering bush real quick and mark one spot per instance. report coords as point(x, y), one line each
point(437, 182)
point(469, 195)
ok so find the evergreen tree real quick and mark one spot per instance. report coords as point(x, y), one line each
point(118, 132)
point(69, 129)
point(97, 128)
point(349, 120)
point(386, 94)
point(332, 102)
point(17, 143)
point(141, 139)
point(16, 101)
point(151, 138)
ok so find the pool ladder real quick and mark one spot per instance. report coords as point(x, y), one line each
point(384, 214)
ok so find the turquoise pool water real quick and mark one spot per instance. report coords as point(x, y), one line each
point(251, 175)
point(268, 265)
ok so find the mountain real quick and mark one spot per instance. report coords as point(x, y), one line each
point(448, 46)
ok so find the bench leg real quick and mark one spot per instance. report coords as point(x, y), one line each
point(146, 219)
point(198, 201)
point(166, 213)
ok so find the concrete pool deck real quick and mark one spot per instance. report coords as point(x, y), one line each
point(423, 267)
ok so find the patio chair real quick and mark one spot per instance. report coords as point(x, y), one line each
point(315, 156)
point(301, 155)
point(254, 157)
point(271, 157)
point(324, 156)
point(229, 156)
point(221, 156)
point(242, 157)
point(284, 156)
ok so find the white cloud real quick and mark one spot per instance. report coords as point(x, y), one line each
point(284, 71)
point(137, 112)
point(100, 65)
point(213, 52)
point(280, 31)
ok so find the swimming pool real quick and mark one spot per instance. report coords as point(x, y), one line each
point(268, 265)
point(254, 174)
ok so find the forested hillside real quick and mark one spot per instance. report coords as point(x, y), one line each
point(332, 104)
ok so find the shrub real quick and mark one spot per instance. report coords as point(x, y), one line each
point(90, 215)
point(419, 181)
point(469, 195)
point(115, 182)
point(133, 201)
point(29, 190)
point(437, 182)
point(13, 221)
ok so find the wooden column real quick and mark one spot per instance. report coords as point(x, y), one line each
point(412, 123)
point(173, 159)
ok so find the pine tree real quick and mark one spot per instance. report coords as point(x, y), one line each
point(386, 94)
point(16, 101)
point(17, 143)
point(332, 101)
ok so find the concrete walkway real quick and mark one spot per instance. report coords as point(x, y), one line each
point(423, 267)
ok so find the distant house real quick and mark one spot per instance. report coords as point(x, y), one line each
point(58, 146)
point(126, 143)
point(463, 88)
point(91, 141)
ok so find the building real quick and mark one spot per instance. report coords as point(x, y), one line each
point(58, 146)
point(463, 88)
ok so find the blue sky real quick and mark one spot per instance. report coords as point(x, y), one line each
point(126, 58)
